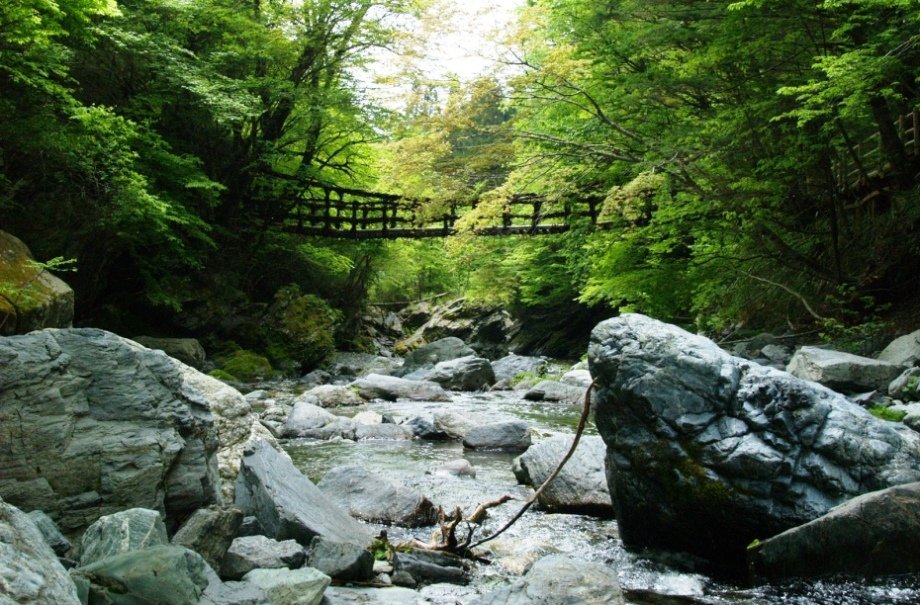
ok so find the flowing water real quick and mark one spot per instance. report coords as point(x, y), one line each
point(537, 533)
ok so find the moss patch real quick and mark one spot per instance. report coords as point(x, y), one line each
point(886, 413)
point(247, 366)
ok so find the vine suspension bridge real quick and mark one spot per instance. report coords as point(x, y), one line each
point(862, 172)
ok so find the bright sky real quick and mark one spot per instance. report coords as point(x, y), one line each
point(462, 38)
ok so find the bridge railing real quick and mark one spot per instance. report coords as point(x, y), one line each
point(867, 161)
point(351, 213)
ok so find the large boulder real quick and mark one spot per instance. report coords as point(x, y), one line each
point(349, 366)
point(166, 575)
point(510, 366)
point(30, 298)
point(551, 390)
point(209, 532)
point(258, 552)
point(98, 424)
point(560, 579)
point(331, 396)
point(308, 420)
point(903, 351)
point(30, 573)
point(580, 487)
point(469, 373)
point(287, 504)
point(118, 533)
point(369, 496)
point(187, 350)
point(304, 586)
point(340, 560)
point(871, 535)
point(843, 372)
point(707, 452)
point(429, 355)
point(511, 436)
point(391, 388)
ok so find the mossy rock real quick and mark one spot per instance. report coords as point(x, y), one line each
point(247, 366)
point(222, 375)
point(30, 297)
point(300, 329)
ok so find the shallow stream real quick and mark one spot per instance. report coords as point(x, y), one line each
point(538, 533)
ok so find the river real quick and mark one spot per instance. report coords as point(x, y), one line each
point(645, 582)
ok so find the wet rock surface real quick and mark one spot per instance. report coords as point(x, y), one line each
point(558, 579)
point(367, 495)
point(581, 486)
point(287, 504)
point(508, 436)
point(874, 534)
point(707, 452)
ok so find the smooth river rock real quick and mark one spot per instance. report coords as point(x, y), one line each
point(391, 388)
point(304, 586)
point(369, 496)
point(133, 529)
point(258, 552)
point(30, 573)
point(468, 373)
point(707, 451)
point(843, 372)
point(287, 504)
point(510, 436)
point(871, 535)
point(580, 487)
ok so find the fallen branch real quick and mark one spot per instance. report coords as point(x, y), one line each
point(581, 427)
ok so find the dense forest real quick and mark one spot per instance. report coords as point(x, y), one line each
point(751, 157)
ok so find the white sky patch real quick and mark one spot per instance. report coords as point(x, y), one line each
point(461, 38)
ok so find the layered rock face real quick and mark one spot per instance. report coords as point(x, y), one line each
point(95, 424)
point(707, 452)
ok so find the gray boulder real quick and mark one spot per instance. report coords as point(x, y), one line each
point(30, 573)
point(391, 388)
point(906, 386)
point(904, 351)
point(308, 420)
point(166, 575)
point(510, 366)
point(187, 350)
point(428, 567)
point(558, 579)
point(843, 372)
point(423, 428)
point(304, 586)
point(460, 467)
point(133, 529)
point(231, 593)
point(340, 561)
point(463, 374)
point(50, 532)
point(259, 552)
point(551, 390)
point(367, 495)
point(43, 301)
point(452, 424)
point(707, 452)
point(580, 487)
point(209, 532)
point(429, 355)
point(510, 436)
point(386, 432)
point(874, 534)
point(287, 504)
point(578, 378)
point(130, 427)
point(331, 395)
